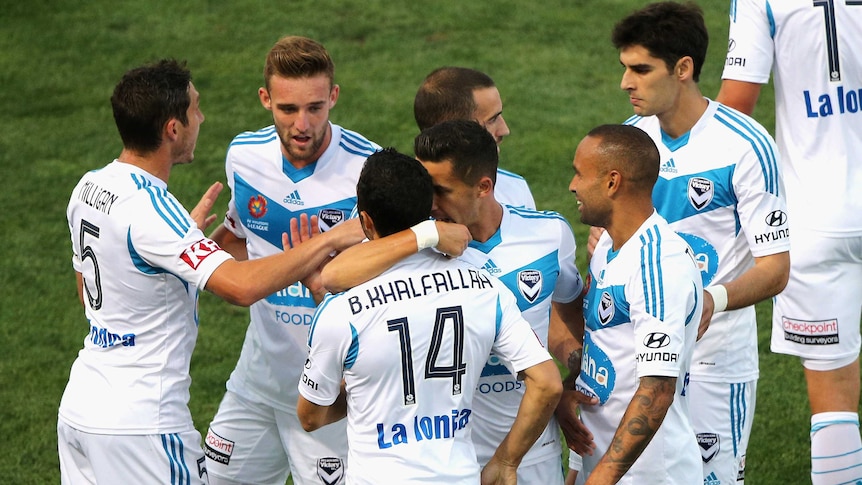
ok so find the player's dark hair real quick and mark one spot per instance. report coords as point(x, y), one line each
point(146, 98)
point(447, 94)
point(668, 30)
point(395, 190)
point(296, 57)
point(470, 149)
point(629, 150)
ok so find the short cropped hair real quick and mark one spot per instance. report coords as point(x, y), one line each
point(395, 190)
point(447, 94)
point(669, 30)
point(468, 146)
point(297, 57)
point(146, 98)
point(630, 151)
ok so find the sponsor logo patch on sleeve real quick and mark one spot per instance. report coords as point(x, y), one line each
point(198, 252)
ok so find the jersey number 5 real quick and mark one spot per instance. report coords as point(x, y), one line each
point(455, 371)
point(87, 252)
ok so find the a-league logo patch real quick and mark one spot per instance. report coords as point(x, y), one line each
point(328, 218)
point(606, 308)
point(330, 470)
point(530, 284)
point(709, 445)
point(257, 206)
point(700, 192)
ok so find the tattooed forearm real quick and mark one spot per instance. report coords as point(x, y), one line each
point(642, 418)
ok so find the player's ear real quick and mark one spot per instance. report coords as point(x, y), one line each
point(171, 131)
point(684, 68)
point(613, 181)
point(367, 225)
point(265, 99)
point(485, 186)
point(333, 95)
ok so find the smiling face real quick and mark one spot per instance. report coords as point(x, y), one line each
point(652, 87)
point(300, 111)
point(589, 184)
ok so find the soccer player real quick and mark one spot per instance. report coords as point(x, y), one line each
point(302, 164)
point(720, 187)
point(410, 345)
point(642, 311)
point(532, 252)
point(812, 48)
point(139, 259)
point(460, 93)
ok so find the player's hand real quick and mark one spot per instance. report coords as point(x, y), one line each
point(201, 213)
point(578, 437)
point(301, 230)
point(453, 238)
point(499, 473)
point(592, 239)
point(706, 317)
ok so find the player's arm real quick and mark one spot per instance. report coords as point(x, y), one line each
point(642, 418)
point(313, 416)
point(362, 262)
point(764, 280)
point(79, 282)
point(740, 95)
point(230, 243)
point(543, 389)
point(565, 337)
point(245, 282)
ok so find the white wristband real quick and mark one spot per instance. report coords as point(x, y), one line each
point(426, 234)
point(719, 296)
point(575, 461)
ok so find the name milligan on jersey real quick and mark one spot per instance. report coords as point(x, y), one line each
point(417, 287)
point(97, 197)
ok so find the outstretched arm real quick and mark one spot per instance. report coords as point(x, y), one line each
point(245, 282)
point(642, 418)
point(362, 262)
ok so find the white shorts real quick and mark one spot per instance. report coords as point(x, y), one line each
point(130, 459)
point(249, 442)
point(721, 415)
point(817, 315)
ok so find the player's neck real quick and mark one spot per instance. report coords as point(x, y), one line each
point(685, 114)
point(153, 163)
point(489, 221)
point(625, 223)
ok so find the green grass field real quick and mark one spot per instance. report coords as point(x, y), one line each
point(552, 60)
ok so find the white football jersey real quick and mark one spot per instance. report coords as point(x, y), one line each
point(719, 187)
point(533, 253)
point(266, 192)
point(512, 189)
point(143, 260)
point(410, 346)
point(641, 311)
point(813, 48)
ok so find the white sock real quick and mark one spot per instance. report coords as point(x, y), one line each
point(836, 449)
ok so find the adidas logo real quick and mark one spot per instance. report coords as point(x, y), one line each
point(491, 267)
point(669, 166)
point(293, 198)
point(711, 479)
